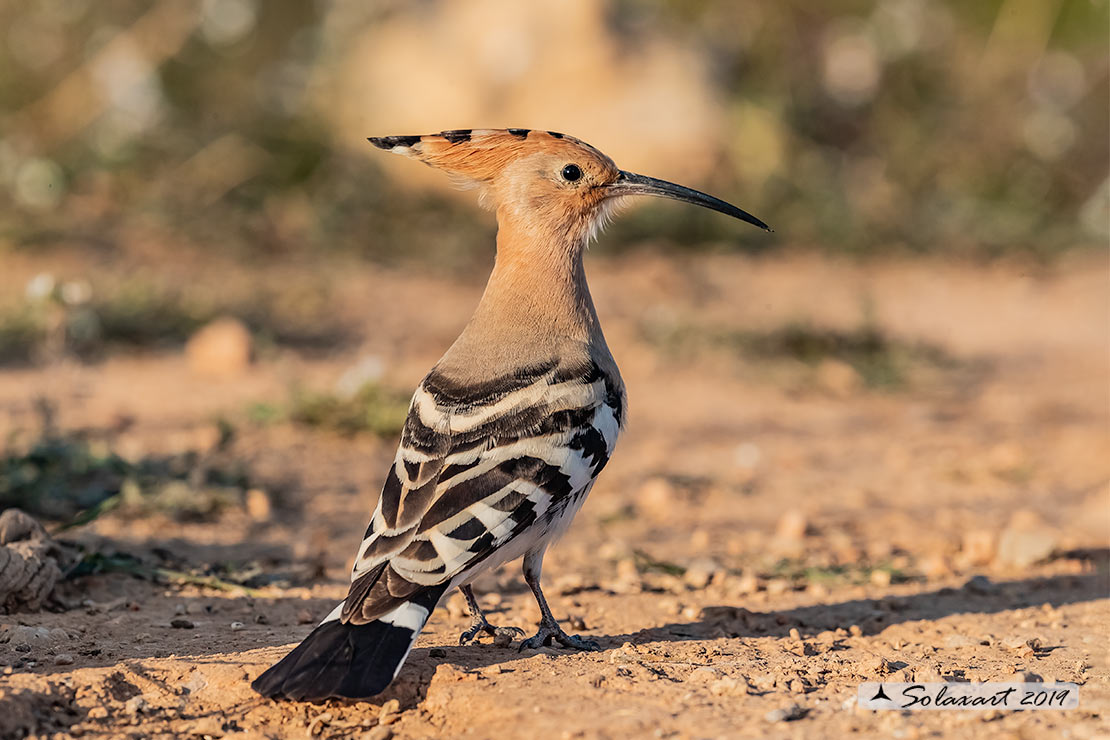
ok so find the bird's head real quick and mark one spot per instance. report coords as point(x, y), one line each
point(543, 179)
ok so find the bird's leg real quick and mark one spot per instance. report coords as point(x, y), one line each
point(481, 624)
point(549, 628)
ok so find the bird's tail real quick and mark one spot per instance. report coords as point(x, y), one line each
point(349, 661)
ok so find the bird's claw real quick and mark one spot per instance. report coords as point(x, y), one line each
point(548, 634)
point(506, 634)
point(470, 635)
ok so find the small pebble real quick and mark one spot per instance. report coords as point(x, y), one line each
point(957, 641)
point(258, 504)
point(182, 624)
point(381, 732)
point(318, 723)
point(792, 525)
point(729, 686)
point(927, 674)
point(304, 616)
point(747, 583)
point(703, 674)
point(391, 707)
point(437, 653)
point(237, 626)
point(700, 573)
point(786, 714)
point(777, 586)
point(764, 682)
point(63, 659)
point(979, 585)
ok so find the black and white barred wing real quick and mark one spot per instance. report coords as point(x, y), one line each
point(482, 474)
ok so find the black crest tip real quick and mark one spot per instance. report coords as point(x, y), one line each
point(389, 142)
point(456, 136)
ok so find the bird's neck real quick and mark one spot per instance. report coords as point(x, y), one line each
point(536, 304)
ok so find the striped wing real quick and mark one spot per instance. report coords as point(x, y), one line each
point(482, 470)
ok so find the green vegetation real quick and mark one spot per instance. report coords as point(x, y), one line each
point(69, 480)
point(880, 361)
point(84, 321)
point(857, 126)
point(98, 562)
point(22, 332)
point(800, 572)
point(646, 563)
point(373, 409)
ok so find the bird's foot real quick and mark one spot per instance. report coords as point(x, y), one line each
point(553, 632)
point(501, 635)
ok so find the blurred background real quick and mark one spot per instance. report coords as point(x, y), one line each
point(216, 298)
point(855, 126)
point(206, 267)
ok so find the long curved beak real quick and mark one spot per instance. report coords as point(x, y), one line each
point(629, 183)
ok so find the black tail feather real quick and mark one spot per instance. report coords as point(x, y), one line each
point(338, 660)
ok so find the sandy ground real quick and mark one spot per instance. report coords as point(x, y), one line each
point(955, 528)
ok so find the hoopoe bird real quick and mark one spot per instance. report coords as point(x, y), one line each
point(507, 433)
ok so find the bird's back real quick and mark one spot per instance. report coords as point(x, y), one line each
point(486, 470)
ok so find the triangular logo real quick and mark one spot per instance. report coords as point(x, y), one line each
point(880, 694)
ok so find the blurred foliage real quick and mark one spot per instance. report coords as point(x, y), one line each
point(927, 125)
point(880, 361)
point(858, 125)
point(801, 573)
point(82, 320)
point(798, 572)
point(22, 331)
point(237, 581)
point(67, 479)
point(372, 409)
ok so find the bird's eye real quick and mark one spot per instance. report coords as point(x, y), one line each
point(572, 172)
